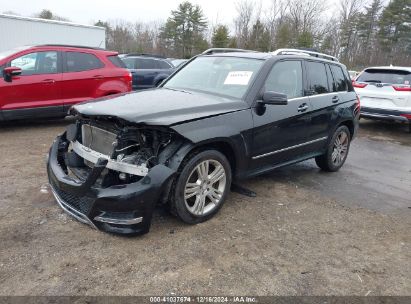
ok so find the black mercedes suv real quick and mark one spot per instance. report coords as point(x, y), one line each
point(221, 118)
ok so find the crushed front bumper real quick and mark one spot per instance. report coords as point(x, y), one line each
point(123, 209)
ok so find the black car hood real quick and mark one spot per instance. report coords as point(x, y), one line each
point(160, 106)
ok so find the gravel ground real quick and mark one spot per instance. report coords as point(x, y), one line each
point(306, 232)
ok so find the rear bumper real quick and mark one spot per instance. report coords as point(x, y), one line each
point(123, 209)
point(382, 114)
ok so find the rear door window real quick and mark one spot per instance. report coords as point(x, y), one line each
point(286, 77)
point(317, 78)
point(385, 76)
point(340, 82)
point(77, 62)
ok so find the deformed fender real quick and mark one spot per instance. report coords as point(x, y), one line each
point(173, 160)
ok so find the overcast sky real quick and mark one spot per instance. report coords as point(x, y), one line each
point(89, 11)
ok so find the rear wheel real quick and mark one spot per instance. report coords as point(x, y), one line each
point(202, 187)
point(337, 151)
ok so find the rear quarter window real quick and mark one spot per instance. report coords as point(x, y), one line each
point(340, 82)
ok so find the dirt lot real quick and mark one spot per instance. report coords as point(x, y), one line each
point(306, 233)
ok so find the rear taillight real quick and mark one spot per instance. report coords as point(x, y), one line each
point(129, 79)
point(402, 88)
point(358, 85)
point(406, 115)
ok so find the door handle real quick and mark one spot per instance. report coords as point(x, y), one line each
point(302, 108)
point(51, 81)
point(98, 77)
point(335, 99)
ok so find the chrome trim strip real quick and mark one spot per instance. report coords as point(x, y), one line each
point(71, 211)
point(93, 156)
point(325, 94)
point(289, 148)
point(118, 221)
point(298, 98)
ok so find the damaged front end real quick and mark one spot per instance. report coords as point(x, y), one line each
point(110, 174)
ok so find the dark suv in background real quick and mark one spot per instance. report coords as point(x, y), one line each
point(148, 70)
point(46, 80)
point(220, 118)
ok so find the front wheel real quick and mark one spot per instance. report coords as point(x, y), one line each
point(201, 187)
point(337, 151)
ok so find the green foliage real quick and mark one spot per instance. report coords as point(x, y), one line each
point(305, 40)
point(283, 36)
point(184, 30)
point(395, 26)
point(233, 43)
point(220, 38)
point(361, 33)
point(259, 38)
point(47, 14)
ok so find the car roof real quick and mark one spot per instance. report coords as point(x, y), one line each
point(394, 68)
point(75, 47)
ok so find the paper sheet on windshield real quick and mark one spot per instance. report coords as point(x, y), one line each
point(238, 77)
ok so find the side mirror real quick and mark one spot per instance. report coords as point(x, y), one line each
point(274, 98)
point(10, 72)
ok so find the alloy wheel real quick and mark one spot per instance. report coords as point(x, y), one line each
point(205, 187)
point(340, 148)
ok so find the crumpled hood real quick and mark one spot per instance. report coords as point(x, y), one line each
point(160, 106)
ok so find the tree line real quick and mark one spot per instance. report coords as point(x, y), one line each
point(360, 33)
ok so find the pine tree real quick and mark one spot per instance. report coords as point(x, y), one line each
point(305, 40)
point(184, 30)
point(259, 38)
point(395, 28)
point(220, 38)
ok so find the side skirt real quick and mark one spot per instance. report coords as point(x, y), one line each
point(268, 169)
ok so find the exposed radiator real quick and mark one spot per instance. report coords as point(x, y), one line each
point(98, 139)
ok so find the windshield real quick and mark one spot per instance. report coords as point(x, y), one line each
point(229, 76)
point(7, 53)
point(385, 76)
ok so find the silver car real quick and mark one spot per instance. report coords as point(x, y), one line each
point(385, 93)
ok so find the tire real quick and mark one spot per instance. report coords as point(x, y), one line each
point(338, 147)
point(195, 198)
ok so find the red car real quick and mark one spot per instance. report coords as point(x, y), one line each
point(46, 80)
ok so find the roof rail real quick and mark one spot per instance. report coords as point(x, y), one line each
point(73, 46)
point(225, 50)
point(144, 55)
point(304, 53)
